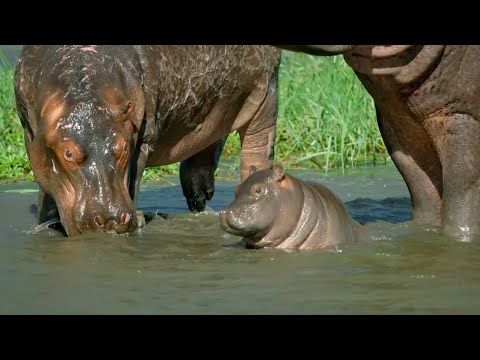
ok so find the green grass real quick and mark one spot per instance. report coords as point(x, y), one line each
point(14, 164)
point(326, 119)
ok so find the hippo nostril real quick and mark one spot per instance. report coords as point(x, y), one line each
point(99, 220)
point(124, 218)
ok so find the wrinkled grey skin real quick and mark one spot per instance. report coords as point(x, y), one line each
point(277, 210)
point(427, 99)
point(95, 116)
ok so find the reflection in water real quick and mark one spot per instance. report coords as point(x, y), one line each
point(182, 263)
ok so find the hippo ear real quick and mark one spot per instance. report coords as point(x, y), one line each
point(127, 112)
point(253, 169)
point(278, 172)
point(128, 108)
point(119, 104)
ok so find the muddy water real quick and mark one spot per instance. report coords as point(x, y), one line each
point(185, 264)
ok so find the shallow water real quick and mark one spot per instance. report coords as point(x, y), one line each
point(185, 264)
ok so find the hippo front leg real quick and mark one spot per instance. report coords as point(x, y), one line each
point(47, 208)
point(258, 137)
point(197, 175)
point(137, 166)
point(461, 176)
point(414, 155)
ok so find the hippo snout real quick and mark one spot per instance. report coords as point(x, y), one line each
point(233, 222)
point(125, 221)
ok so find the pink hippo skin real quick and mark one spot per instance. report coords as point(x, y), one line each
point(277, 210)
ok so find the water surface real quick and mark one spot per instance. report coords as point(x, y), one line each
point(185, 264)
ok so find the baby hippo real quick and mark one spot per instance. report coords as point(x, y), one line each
point(277, 210)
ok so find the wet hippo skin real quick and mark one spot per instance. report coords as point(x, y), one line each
point(277, 210)
point(95, 116)
point(427, 100)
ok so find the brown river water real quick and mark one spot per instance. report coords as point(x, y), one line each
point(182, 263)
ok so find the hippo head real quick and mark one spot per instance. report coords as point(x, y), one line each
point(80, 156)
point(257, 204)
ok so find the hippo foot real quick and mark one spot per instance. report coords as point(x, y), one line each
point(199, 202)
point(195, 205)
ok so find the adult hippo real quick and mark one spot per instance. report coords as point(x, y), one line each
point(95, 116)
point(427, 100)
point(277, 210)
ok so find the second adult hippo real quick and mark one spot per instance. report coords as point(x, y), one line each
point(95, 116)
point(427, 100)
point(277, 210)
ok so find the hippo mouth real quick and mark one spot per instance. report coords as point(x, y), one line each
point(259, 243)
point(248, 232)
point(227, 227)
point(230, 228)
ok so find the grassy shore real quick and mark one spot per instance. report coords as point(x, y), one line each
point(326, 119)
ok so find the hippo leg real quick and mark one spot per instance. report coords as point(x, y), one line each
point(47, 208)
point(197, 175)
point(414, 154)
point(461, 175)
point(258, 136)
point(137, 166)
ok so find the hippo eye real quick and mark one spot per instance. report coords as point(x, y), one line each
point(258, 190)
point(68, 154)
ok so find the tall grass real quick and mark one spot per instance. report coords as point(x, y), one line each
point(325, 115)
point(326, 119)
point(14, 164)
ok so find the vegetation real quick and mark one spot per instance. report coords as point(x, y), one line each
point(14, 164)
point(326, 119)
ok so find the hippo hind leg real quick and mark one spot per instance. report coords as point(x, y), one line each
point(197, 175)
point(414, 155)
point(461, 174)
point(258, 136)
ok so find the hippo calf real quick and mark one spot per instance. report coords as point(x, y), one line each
point(277, 210)
point(95, 117)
